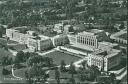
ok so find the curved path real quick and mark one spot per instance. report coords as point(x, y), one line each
point(14, 74)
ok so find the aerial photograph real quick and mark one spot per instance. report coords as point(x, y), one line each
point(63, 41)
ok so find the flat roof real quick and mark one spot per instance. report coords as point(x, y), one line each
point(106, 53)
point(91, 32)
point(79, 49)
point(108, 44)
point(95, 31)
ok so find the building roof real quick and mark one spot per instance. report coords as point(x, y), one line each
point(67, 26)
point(113, 52)
point(18, 28)
point(106, 53)
point(79, 49)
point(91, 32)
point(30, 31)
point(121, 35)
point(96, 31)
point(107, 44)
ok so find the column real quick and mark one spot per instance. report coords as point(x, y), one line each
point(96, 43)
point(91, 41)
point(86, 40)
point(82, 40)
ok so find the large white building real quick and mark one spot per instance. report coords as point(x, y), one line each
point(60, 40)
point(88, 39)
point(15, 35)
point(104, 59)
point(91, 38)
point(36, 42)
point(39, 44)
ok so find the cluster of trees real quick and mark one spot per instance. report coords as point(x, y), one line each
point(36, 73)
point(6, 60)
point(83, 73)
point(20, 14)
point(32, 58)
point(37, 68)
point(107, 79)
point(62, 69)
point(21, 57)
point(39, 60)
point(2, 30)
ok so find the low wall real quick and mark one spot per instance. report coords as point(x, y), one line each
point(73, 51)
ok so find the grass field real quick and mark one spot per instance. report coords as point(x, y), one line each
point(58, 56)
point(4, 79)
point(4, 52)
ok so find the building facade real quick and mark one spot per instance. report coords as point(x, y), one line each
point(45, 44)
point(90, 38)
point(15, 35)
point(120, 37)
point(60, 40)
point(105, 60)
point(72, 39)
point(39, 44)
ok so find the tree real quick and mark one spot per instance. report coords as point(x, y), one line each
point(96, 71)
point(41, 61)
point(62, 66)
point(5, 71)
point(82, 74)
point(35, 72)
point(84, 63)
point(113, 78)
point(72, 81)
point(121, 26)
point(48, 61)
point(57, 76)
point(19, 57)
point(1, 31)
point(26, 56)
point(72, 70)
point(4, 60)
point(0, 34)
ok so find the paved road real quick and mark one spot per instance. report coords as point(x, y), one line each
point(42, 54)
point(14, 74)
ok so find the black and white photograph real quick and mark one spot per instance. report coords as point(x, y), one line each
point(63, 41)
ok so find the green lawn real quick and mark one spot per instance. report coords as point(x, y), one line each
point(9, 78)
point(18, 47)
point(20, 72)
point(4, 52)
point(58, 56)
point(12, 42)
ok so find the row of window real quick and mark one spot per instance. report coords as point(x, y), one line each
point(87, 41)
point(96, 62)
